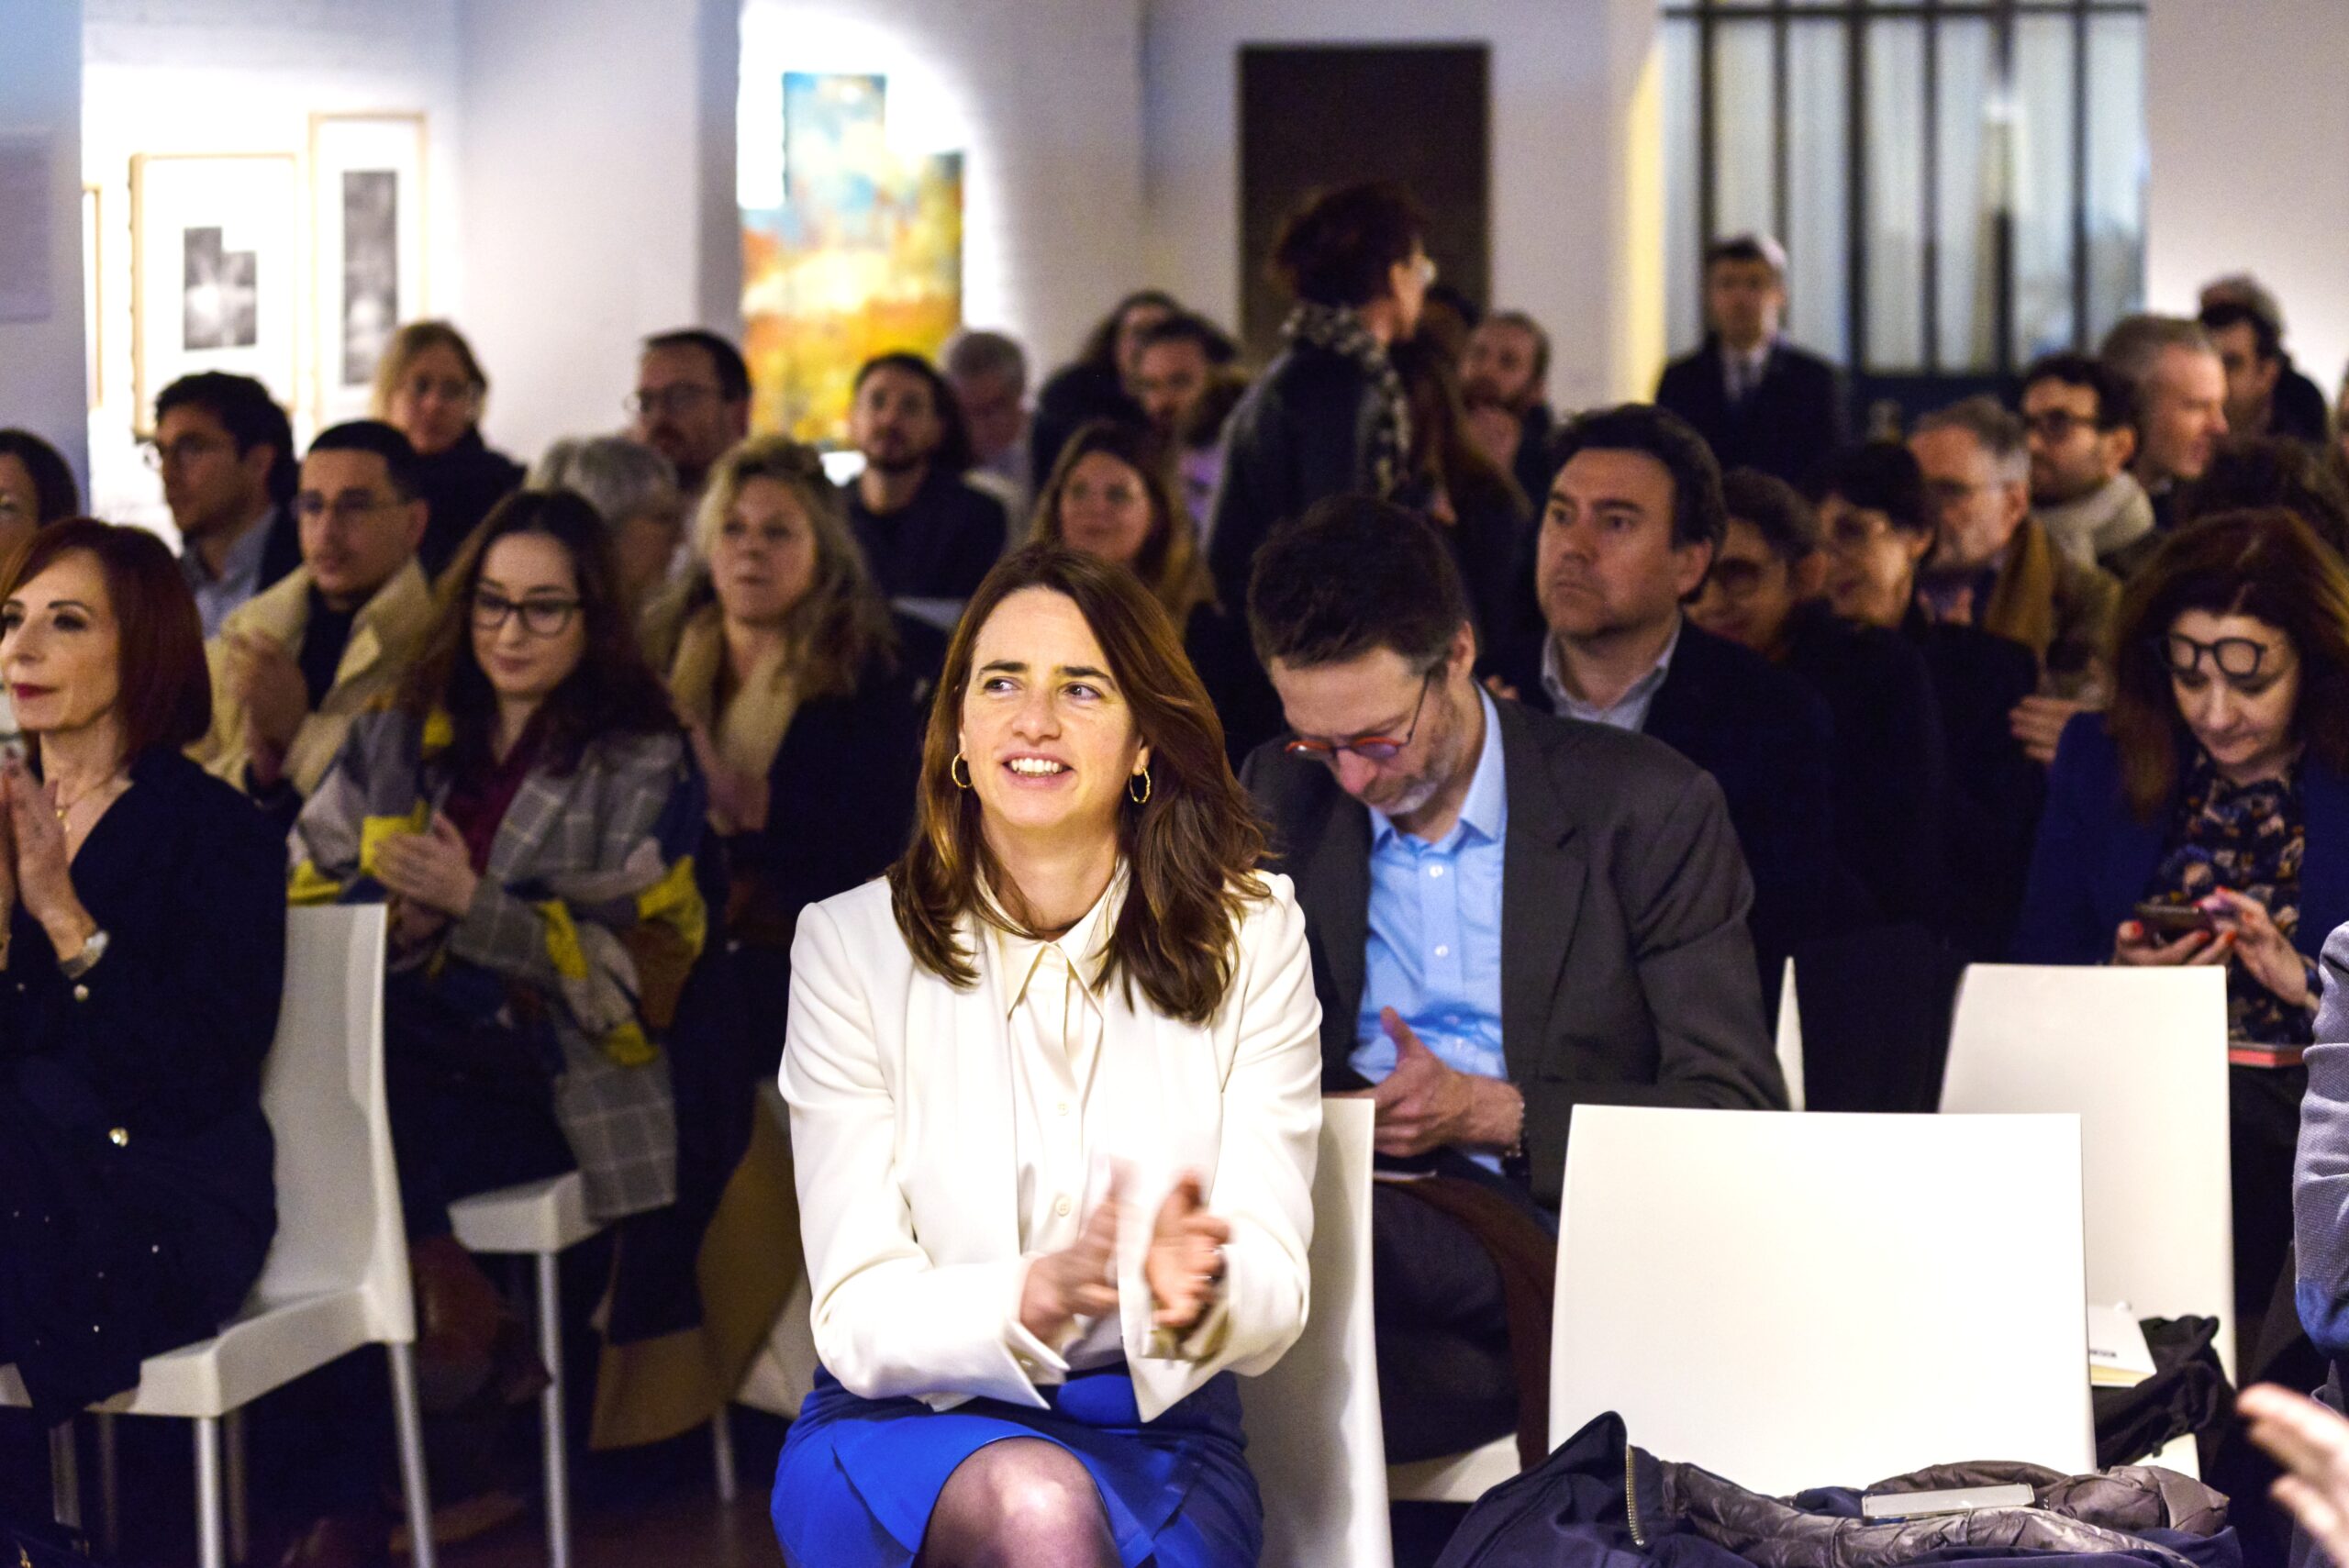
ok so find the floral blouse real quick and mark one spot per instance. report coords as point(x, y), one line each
point(2249, 838)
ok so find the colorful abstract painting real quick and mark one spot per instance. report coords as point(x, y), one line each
point(863, 256)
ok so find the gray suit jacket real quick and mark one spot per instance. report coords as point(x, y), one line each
point(1627, 976)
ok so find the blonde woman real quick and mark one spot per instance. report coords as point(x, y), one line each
point(430, 385)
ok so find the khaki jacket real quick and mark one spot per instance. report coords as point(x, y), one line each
point(385, 640)
point(2056, 607)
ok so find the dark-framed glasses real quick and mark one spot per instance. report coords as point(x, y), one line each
point(540, 616)
point(181, 453)
point(656, 401)
point(2237, 658)
point(1371, 748)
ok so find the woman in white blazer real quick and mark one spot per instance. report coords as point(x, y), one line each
point(1054, 1088)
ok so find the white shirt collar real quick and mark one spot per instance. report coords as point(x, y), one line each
point(1084, 947)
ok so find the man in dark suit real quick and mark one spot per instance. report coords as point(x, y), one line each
point(1757, 399)
point(1634, 518)
point(1510, 913)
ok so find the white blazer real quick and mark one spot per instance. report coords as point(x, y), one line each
point(901, 1113)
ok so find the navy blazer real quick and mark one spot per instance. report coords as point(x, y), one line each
point(2095, 861)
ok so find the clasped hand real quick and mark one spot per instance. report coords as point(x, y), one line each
point(432, 869)
point(1182, 1265)
point(34, 864)
point(2242, 929)
point(1424, 1105)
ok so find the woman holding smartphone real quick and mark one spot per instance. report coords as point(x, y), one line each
point(2204, 821)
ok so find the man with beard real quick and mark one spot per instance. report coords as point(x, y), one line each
point(692, 402)
point(1511, 915)
point(1503, 376)
point(2081, 417)
point(1178, 359)
point(226, 455)
point(927, 535)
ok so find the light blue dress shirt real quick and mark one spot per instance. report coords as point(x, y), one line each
point(216, 598)
point(1434, 951)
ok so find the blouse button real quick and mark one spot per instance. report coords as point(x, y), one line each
point(1062, 1108)
point(1062, 1208)
point(120, 1137)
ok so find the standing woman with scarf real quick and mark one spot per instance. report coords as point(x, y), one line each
point(1328, 416)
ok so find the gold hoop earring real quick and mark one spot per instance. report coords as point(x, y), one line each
point(1143, 798)
point(959, 761)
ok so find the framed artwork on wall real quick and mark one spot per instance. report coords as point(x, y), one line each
point(216, 270)
point(367, 226)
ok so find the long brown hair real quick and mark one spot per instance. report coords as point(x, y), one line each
point(1192, 849)
point(613, 690)
point(2267, 564)
point(1170, 564)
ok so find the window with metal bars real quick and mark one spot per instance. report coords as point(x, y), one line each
point(1959, 183)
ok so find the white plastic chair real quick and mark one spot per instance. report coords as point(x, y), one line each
point(1796, 1301)
point(2141, 1056)
point(1790, 1038)
point(1313, 1420)
point(337, 1275)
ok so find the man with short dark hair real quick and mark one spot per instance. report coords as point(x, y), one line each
point(1509, 915)
point(1503, 381)
point(1176, 359)
point(2080, 416)
point(296, 664)
point(2266, 394)
point(692, 401)
point(1633, 518)
point(2180, 386)
point(225, 454)
point(927, 535)
point(1759, 401)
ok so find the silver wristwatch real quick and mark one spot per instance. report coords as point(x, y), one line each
point(81, 963)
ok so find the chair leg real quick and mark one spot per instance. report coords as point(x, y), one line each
point(410, 1424)
point(65, 1475)
point(210, 1548)
point(232, 1433)
point(721, 1450)
point(109, 1487)
point(551, 1413)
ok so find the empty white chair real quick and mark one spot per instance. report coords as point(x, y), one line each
point(337, 1273)
point(1312, 1420)
point(1790, 1038)
point(2141, 1056)
point(1794, 1301)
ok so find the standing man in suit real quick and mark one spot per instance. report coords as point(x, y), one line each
point(1757, 399)
point(1509, 915)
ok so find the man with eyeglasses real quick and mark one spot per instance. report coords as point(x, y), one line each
point(1510, 914)
point(226, 455)
point(291, 669)
point(2079, 415)
point(692, 402)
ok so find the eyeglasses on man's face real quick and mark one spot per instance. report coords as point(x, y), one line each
point(182, 452)
point(541, 616)
point(682, 398)
point(1372, 747)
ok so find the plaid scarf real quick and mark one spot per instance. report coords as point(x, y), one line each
point(1338, 330)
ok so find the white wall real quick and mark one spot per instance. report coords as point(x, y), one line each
point(1576, 211)
point(42, 383)
point(2248, 133)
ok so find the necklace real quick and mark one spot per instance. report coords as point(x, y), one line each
point(67, 808)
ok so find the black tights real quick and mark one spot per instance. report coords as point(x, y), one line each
point(1019, 1502)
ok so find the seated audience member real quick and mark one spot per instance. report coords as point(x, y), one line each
point(1479, 512)
point(692, 401)
point(293, 667)
point(2217, 786)
point(1511, 915)
point(1198, 442)
point(925, 533)
point(1098, 385)
point(2080, 419)
point(2265, 395)
point(1504, 379)
point(2270, 471)
point(1891, 770)
point(1632, 521)
point(1329, 416)
point(2180, 387)
point(37, 488)
point(635, 489)
point(1173, 365)
point(988, 373)
point(147, 961)
point(1075, 968)
point(1877, 523)
point(430, 388)
point(1758, 400)
point(225, 454)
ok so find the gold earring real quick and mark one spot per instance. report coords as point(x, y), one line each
point(964, 782)
point(1143, 798)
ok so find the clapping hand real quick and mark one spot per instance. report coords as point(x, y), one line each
point(267, 679)
point(432, 869)
point(1079, 1281)
point(2312, 1444)
point(1184, 1263)
point(40, 866)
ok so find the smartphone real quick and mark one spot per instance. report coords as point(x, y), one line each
point(2175, 919)
point(1882, 1505)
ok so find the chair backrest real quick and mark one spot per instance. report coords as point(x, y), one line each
point(1314, 1439)
point(2141, 1056)
point(338, 1220)
point(1795, 1301)
point(1790, 1038)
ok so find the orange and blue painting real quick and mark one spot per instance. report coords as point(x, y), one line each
point(864, 256)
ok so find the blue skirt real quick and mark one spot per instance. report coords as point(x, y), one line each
point(859, 1478)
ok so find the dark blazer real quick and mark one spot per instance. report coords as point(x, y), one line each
point(1627, 976)
point(1785, 425)
point(459, 487)
point(939, 547)
point(281, 552)
point(1302, 432)
point(130, 1103)
point(1995, 788)
point(1532, 469)
point(2094, 860)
